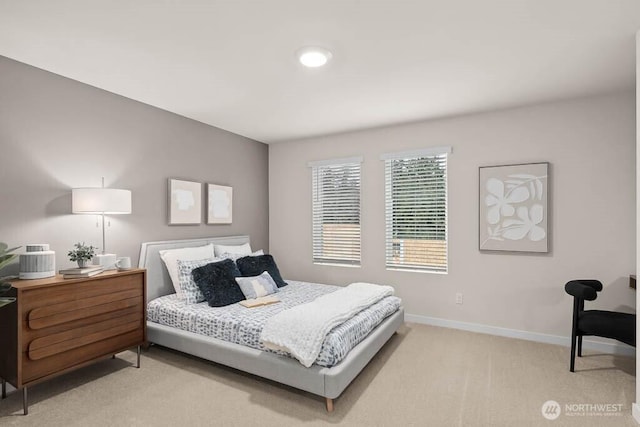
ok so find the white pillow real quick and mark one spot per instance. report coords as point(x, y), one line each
point(234, 257)
point(171, 257)
point(233, 249)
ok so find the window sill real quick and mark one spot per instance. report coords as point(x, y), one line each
point(335, 264)
point(412, 270)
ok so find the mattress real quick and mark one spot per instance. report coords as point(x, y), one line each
point(241, 325)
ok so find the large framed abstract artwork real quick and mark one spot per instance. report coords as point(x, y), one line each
point(220, 201)
point(185, 202)
point(514, 208)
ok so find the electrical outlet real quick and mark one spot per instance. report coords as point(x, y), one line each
point(459, 298)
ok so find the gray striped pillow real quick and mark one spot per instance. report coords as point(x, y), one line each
point(190, 293)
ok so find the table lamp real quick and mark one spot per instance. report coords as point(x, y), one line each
point(101, 201)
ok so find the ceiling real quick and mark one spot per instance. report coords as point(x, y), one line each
point(231, 64)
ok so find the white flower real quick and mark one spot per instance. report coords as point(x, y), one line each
point(527, 225)
point(500, 203)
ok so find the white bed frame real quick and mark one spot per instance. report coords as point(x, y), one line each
point(322, 381)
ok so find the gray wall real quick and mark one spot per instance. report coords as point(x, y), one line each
point(56, 134)
point(590, 145)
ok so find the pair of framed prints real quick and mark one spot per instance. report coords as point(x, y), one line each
point(185, 203)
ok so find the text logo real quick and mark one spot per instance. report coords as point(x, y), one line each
point(551, 409)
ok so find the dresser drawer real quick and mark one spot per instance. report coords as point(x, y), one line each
point(76, 290)
point(35, 369)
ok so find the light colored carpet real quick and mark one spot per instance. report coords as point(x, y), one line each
point(426, 376)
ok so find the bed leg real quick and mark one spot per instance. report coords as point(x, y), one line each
point(329, 404)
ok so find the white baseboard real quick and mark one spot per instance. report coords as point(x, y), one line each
point(635, 411)
point(605, 347)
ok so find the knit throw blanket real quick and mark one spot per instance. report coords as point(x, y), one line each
point(301, 330)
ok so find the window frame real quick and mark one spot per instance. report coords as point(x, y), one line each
point(318, 238)
point(441, 155)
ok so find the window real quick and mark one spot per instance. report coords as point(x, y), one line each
point(416, 210)
point(336, 211)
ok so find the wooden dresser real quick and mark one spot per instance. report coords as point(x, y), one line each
point(57, 325)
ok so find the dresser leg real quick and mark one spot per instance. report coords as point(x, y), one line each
point(138, 364)
point(4, 388)
point(25, 404)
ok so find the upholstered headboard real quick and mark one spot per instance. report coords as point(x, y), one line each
point(158, 280)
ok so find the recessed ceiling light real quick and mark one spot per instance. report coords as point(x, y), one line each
point(313, 57)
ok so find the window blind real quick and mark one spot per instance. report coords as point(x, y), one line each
point(336, 211)
point(416, 210)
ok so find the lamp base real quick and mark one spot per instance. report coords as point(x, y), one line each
point(107, 261)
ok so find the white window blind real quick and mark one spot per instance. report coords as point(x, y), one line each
point(336, 211)
point(416, 210)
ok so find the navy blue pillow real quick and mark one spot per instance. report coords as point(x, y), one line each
point(217, 281)
point(256, 265)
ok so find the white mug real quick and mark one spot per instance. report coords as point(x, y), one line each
point(123, 263)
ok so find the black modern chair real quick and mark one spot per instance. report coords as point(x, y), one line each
point(608, 324)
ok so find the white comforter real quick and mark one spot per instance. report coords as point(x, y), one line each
point(301, 330)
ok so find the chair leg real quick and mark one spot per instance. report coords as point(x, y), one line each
point(574, 333)
point(573, 353)
point(580, 346)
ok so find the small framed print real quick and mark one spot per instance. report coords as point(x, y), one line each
point(220, 204)
point(185, 202)
point(514, 208)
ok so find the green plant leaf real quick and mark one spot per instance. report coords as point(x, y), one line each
point(7, 259)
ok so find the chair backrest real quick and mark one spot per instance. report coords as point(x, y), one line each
point(586, 289)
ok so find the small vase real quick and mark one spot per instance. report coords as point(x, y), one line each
point(82, 263)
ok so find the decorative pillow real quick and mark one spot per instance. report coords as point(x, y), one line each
point(190, 292)
point(171, 257)
point(217, 283)
point(257, 286)
point(234, 257)
point(255, 265)
point(233, 249)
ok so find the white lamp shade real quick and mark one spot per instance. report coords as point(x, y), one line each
point(100, 200)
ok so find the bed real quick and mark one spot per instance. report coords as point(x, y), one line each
point(328, 382)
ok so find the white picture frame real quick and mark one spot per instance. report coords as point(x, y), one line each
point(185, 202)
point(514, 209)
point(219, 204)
